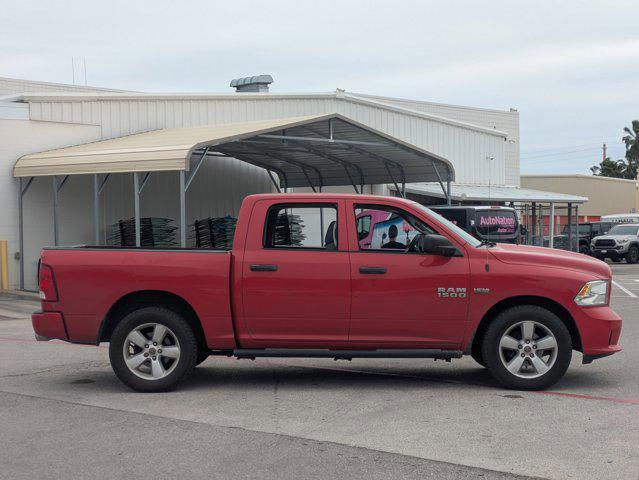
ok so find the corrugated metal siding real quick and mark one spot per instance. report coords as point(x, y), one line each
point(465, 148)
point(9, 86)
point(506, 121)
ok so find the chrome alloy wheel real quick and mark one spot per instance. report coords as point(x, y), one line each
point(528, 349)
point(151, 351)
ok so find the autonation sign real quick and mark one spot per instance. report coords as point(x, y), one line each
point(502, 223)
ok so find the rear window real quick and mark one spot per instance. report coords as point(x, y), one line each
point(495, 223)
point(301, 226)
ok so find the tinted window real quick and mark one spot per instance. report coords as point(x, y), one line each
point(495, 223)
point(467, 237)
point(305, 226)
point(583, 229)
point(456, 216)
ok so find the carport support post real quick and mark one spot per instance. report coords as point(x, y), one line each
point(540, 219)
point(577, 227)
point(182, 208)
point(448, 201)
point(55, 210)
point(551, 226)
point(570, 227)
point(533, 225)
point(136, 199)
point(96, 209)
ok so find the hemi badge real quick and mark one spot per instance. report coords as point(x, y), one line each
point(481, 290)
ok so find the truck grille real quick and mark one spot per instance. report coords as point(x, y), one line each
point(604, 243)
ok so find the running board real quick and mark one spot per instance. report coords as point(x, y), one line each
point(346, 354)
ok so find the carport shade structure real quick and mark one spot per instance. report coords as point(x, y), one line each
point(312, 151)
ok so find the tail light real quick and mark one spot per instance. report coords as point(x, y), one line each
point(48, 290)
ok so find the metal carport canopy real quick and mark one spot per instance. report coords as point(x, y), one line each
point(320, 150)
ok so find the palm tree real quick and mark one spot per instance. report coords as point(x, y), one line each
point(631, 139)
point(610, 168)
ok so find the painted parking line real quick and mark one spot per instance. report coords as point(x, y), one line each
point(624, 289)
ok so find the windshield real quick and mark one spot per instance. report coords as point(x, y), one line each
point(624, 230)
point(451, 226)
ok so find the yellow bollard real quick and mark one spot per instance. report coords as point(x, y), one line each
point(4, 265)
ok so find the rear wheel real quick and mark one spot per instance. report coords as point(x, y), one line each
point(152, 349)
point(527, 348)
point(633, 254)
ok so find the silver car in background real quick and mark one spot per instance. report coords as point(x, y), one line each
point(622, 241)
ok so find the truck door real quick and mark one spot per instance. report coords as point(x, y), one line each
point(404, 300)
point(296, 276)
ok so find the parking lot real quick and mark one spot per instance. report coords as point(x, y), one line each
point(65, 415)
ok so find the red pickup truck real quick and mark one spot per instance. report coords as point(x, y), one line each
point(298, 283)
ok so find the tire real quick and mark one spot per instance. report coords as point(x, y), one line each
point(633, 254)
point(141, 364)
point(583, 249)
point(201, 356)
point(527, 373)
point(477, 355)
point(616, 260)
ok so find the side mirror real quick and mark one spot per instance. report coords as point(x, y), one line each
point(435, 245)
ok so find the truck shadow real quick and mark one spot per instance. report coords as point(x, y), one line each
point(266, 375)
point(247, 377)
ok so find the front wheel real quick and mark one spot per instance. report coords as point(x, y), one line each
point(527, 348)
point(152, 349)
point(633, 254)
point(584, 250)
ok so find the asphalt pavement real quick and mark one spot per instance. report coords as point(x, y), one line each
point(63, 414)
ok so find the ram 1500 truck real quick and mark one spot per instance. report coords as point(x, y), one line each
point(298, 283)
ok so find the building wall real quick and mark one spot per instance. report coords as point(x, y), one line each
point(17, 138)
point(505, 121)
point(606, 196)
point(466, 148)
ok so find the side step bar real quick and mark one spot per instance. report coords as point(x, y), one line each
point(346, 354)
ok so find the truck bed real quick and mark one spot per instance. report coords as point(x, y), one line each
point(92, 281)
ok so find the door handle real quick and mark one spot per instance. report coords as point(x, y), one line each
point(263, 268)
point(372, 270)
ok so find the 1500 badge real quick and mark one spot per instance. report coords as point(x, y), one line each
point(444, 292)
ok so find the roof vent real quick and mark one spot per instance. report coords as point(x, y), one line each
point(257, 83)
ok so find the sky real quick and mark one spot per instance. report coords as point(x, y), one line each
point(571, 68)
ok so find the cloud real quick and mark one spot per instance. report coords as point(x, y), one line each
point(569, 67)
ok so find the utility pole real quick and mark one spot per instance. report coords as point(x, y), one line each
point(604, 152)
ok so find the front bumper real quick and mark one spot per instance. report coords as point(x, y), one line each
point(610, 252)
point(49, 325)
point(600, 329)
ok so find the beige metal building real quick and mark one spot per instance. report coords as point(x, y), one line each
point(606, 196)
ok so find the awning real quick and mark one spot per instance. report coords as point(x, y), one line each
point(484, 193)
point(320, 150)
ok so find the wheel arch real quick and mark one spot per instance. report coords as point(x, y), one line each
point(547, 303)
point(146, 298)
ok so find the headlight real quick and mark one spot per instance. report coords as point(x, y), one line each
point(593, 293)
point(623, 240)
